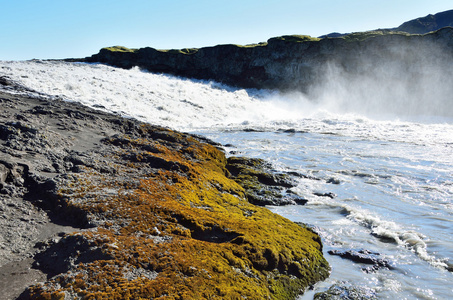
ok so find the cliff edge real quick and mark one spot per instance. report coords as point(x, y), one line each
point(288, 62)
point(428, 23)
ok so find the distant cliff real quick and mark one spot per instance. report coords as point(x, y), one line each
point(297, 62)
point(420, 25)
point(287, 62)
point(428, 23)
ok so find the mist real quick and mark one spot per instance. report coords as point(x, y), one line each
point(407, 80)
point(384, 79)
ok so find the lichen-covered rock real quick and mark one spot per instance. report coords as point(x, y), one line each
point(263, 186)
point(154, 212)
point(182, 220)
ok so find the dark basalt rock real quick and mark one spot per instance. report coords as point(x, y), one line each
point(450, 267)
point(333, 180)
point(346, 291)
point(263, 186)
point(364, 257)
point(328, 194)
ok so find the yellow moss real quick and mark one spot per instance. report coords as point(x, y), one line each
point(294, 38)
point(194, 230)
point(119, 49)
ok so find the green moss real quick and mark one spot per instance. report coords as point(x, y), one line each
point(262, 44)
point(262, 185)
point(120, 49)
point(194, 230)
point(295, 38)
point(181, 51)
point(361, 36)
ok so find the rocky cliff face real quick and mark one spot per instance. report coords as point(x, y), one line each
point(285, 63)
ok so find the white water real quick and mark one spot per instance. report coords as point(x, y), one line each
point(395, 170)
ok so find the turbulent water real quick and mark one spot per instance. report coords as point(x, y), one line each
point(391, 172)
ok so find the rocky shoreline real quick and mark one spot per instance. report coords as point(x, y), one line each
point(98, 206)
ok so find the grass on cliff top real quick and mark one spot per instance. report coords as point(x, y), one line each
point(295, 38)
point(362, 36)
point(120, 49)
point(251, 45)
point(352, 37)
point(189, 51)
point(181, 51)
point(172, 51)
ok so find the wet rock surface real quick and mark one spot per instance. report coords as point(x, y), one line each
point(262, 185)
point(363, 256)
point(346, 291)
point(93, 205)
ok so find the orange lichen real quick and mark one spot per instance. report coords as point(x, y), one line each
point(184, 231)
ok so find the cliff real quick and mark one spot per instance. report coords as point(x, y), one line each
point(428, 23)
point(95, 206)
point(287, 62)
point(420, 25)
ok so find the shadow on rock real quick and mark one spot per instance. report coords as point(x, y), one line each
point(262, 184)
point(61, 255)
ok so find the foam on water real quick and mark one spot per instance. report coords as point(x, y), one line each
point(392, 199)
point(190, 105)
point(161, 99)
point(395, 173)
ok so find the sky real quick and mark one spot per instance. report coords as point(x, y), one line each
point(46, 29)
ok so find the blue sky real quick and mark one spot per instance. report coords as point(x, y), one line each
point(66, 28)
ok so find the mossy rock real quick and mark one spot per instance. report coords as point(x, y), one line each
point(362, 36)
point(177, 233)
point(262, 44)
point(263, 186)
point(181, 51)
point(294, 39)
point(120, 49)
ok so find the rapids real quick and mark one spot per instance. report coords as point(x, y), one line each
point(391, 173)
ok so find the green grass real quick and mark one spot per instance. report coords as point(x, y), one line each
point(352, 37)
point(295, 38)
point(120, 49)
point(262, 44)
point(362, 36)
point(181, 51)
